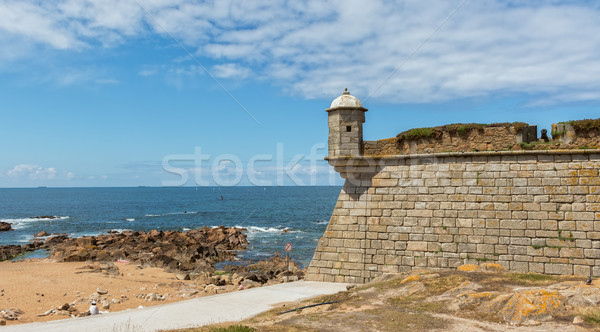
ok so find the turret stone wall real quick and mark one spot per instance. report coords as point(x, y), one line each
point(530, 211)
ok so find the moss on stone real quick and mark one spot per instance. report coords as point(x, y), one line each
point(461, 129)
point(586, 125)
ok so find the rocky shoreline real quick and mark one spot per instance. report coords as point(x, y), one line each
point(189, 257)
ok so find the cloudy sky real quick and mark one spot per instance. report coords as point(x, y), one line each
point(131, 92)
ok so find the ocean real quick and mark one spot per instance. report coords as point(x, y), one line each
point(273, 216)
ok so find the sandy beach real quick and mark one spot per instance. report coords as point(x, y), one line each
point(36, 286)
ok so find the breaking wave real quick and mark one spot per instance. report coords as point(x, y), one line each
point(19, 223)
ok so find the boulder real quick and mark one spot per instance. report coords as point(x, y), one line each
point(41, 234)
point(526, 305)
point(182, 276)
point(4, 226)
point(105, 304)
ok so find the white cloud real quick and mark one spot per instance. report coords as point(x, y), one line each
point(148, 72)
point(32, 171)
point(547, 49)
point(230, 70)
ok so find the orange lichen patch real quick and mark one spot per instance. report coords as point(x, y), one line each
point(532, 304)
point(409, 279)
point(496, 304)
point(493, 267)
point(469, 299)
point(468, 268)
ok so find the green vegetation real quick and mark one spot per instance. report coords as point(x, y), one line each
point(565, 238)
point(585, 125)
point(531, 145)
point(460, 129)
point(557, 133)
point(545, 245)
point(591, 315)
point(465, 129)
point(418, 133)
point(530, 278)
point(484, 259)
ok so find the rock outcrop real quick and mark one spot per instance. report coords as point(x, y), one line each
point(41, 234)
point(271, 270)
point(4, 226)
point(12, 250)
point(195, 250)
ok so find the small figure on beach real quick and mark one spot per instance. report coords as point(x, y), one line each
point(240, 286)
point(94, 309)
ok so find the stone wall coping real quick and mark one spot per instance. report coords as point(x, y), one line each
point(468, 154)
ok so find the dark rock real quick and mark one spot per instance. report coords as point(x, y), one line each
point(10, 251)
point(45, 217)
point(188, 252)
point(65, 306)
point(41, 234)
point(55, 240)
point(4, 226)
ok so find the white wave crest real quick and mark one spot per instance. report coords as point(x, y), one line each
point(120, 230)
point(130, 219)
point(258, 229)
point(19, 223)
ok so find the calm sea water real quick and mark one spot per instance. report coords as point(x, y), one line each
point(267, 212)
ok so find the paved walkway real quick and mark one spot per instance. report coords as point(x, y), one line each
point(191, 313)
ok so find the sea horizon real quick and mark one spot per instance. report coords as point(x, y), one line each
point(271, 215)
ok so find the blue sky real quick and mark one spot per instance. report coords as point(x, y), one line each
point(104, 93)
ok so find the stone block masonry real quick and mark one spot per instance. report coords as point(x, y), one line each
point(530, 211)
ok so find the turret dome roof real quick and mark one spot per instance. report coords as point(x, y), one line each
point(346, 100)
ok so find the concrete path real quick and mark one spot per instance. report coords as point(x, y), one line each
point(191, 313)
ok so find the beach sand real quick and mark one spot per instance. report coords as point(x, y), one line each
point(35, 286)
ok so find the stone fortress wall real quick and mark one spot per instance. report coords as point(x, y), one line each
point(528, 209)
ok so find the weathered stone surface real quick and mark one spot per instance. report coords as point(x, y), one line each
point(533, 212)
point(461, 194)
point(532, 305)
